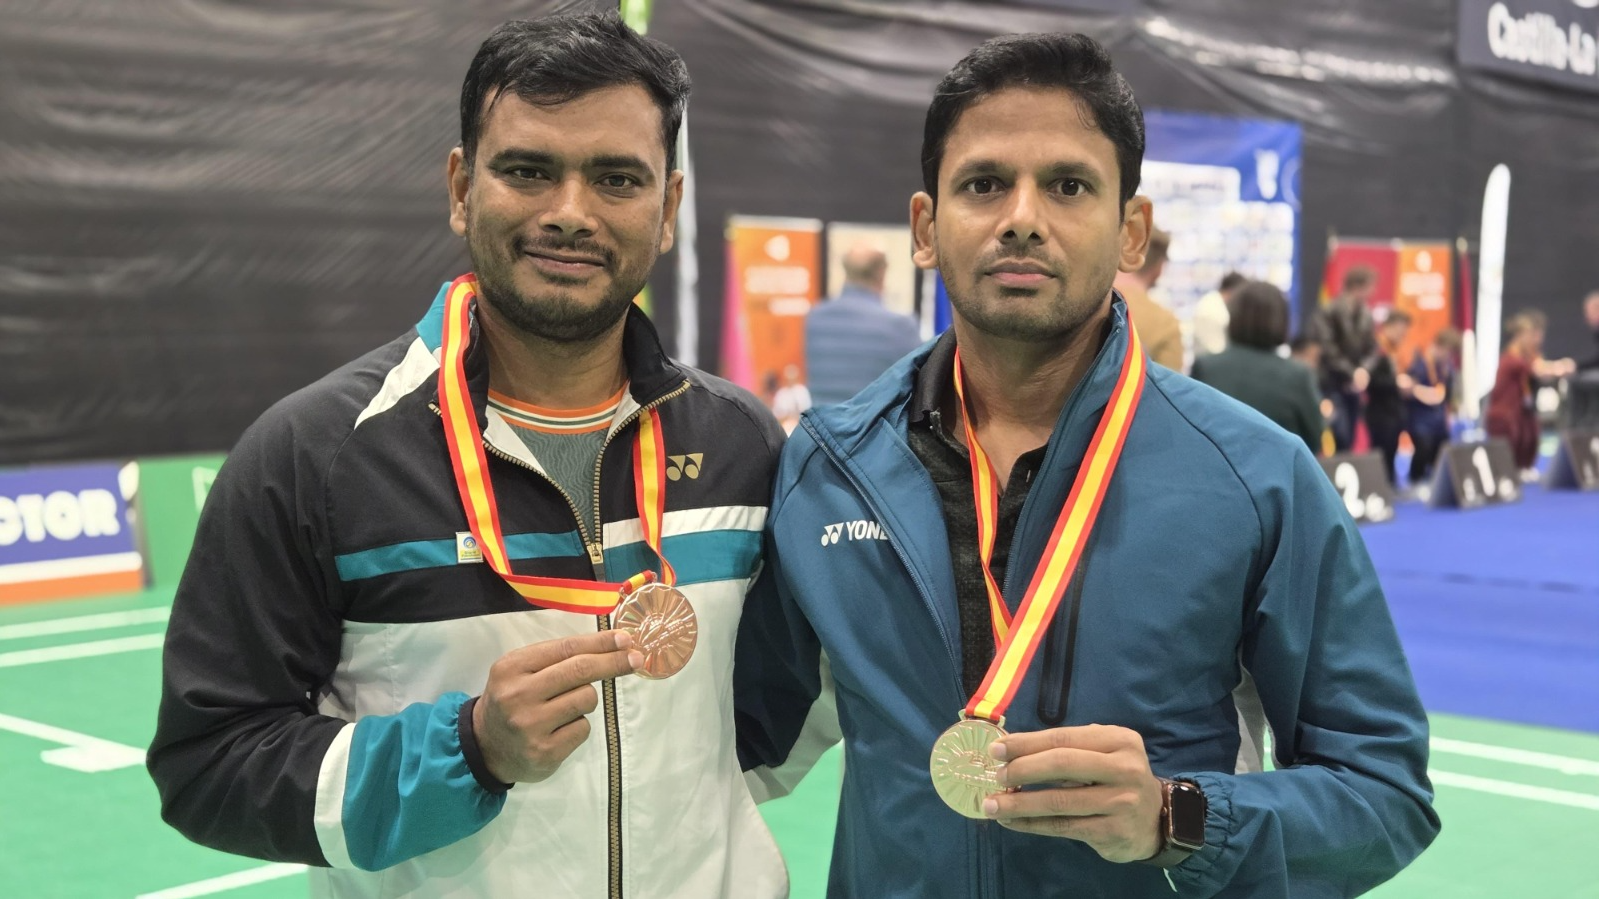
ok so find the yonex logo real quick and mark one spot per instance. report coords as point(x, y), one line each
point(684, 466)
point(854, 530)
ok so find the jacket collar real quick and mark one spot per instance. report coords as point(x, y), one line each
point(651, 373)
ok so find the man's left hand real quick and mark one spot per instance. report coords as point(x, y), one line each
point(1096, 788)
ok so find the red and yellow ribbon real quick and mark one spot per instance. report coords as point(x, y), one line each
point(477, 493)
point(1019, 636)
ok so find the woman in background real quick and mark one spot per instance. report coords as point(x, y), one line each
point(1511, 410)
point(1250, 371)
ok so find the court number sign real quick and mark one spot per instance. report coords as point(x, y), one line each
point(1362, 484)
point(1576, 462)
point(1477, 474)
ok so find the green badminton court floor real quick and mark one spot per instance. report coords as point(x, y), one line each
point(78, 816)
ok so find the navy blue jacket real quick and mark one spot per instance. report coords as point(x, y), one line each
point(849, 341)
point(1223, 580)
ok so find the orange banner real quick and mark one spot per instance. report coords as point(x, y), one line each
point(1424, 291)
point(774, 277)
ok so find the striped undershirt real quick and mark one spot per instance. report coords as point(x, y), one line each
point(566, 443)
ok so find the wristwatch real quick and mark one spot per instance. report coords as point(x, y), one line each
point(1182, 823)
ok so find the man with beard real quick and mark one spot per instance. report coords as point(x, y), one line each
point(1056, 589)
point(441, 614)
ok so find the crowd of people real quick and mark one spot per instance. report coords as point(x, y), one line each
point(1349, 369)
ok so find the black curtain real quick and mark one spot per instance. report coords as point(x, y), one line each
point(206, 205)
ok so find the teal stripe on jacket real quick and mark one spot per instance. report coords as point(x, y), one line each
point(699, 558)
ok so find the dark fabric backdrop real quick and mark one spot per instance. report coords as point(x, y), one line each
point(206, 205)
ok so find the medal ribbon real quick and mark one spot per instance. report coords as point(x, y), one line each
point(477, 494)
point(1018, 637)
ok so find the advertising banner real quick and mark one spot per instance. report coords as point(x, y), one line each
point(1553, 41)
point(773, 279)
point(1416, 277)
point(65, 531)
point(1228, 191)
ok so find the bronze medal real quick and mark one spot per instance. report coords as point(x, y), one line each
point(663, 626)
point(964, 774)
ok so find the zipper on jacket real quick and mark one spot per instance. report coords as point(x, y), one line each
point(596, 553)
point(583, 532)
point(1055, 686)
point(613, 732)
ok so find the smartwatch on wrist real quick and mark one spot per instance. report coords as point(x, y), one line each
point(1182, 823)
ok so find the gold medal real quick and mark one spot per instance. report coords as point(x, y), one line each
point(663, 626)
point(964, 773)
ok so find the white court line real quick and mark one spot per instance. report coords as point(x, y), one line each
point(83, 623)
point(79, 752)
point(1515, 790)
point(226, 882)
point(80, 650)
point(1562, 763)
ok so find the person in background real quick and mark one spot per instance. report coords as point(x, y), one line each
point(1211, 314)
point(851, 339)
point(1590, 313)
point(1427, 408)
point(1250, 371)
point(790, 400)
point(1157, 327)
point(1512, 410)
point(1306, 350)
point(1348, 344)
point(1386, 392)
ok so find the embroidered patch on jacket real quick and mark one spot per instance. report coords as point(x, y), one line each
point(466, 548)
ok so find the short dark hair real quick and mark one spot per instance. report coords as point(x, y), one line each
point(1159, 247)
point(1074, 62)
point(1397, 317)
point(1358, 277)
point(556, 59)
point(1259, 316)
point(1230, 281)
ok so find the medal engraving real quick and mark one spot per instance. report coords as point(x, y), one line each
point(964, 774)
point(663, 626)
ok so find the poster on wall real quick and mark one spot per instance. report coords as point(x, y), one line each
point(1228, 191)
point(899, 281)
point(1416, 277)
point(773, 279)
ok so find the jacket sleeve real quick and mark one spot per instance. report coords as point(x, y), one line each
point(785, 714)
point(242, 759)
point(1350, 803)
point(1325, 332)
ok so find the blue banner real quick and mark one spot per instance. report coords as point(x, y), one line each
point(66, 530)
point(1228, 191)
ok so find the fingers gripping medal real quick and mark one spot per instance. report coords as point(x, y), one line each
point(663, 626)
point(655, 612)
point(964, 772)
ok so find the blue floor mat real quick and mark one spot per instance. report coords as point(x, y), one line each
point(1498, 608)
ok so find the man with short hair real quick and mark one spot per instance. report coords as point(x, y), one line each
point(1053, 587)
point(1211, 314)
point(1157, 326)
point(441, 614)
point(1348, 339)
point(851, 339)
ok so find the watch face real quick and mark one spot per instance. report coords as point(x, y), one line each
point(1187, 815)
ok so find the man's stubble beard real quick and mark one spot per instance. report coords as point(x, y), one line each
point(553, 316)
